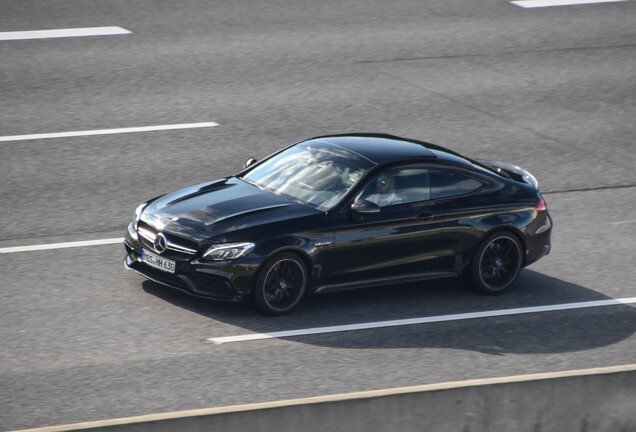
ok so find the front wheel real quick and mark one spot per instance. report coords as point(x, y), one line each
point(497, 263)
point(281, 284)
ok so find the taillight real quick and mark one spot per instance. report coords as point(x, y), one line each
point(541, 206)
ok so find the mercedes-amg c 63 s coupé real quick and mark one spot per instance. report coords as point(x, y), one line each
point(342, 212)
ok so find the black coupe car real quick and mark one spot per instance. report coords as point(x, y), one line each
point(341, 212)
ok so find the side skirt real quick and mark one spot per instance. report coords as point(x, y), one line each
point(368, 283)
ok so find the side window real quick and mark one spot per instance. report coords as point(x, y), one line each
point(447, 184)
point(397, 186)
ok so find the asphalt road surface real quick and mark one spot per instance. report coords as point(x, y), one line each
point(550, 89)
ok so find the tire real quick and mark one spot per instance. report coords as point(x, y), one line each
point(497, 263)
point(281, 284)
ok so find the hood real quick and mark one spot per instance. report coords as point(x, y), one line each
point(212, 209)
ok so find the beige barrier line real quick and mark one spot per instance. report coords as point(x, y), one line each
point(332, 398)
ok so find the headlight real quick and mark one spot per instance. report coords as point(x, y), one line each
point(138, 210)
point(228, 251)
point(132, 231)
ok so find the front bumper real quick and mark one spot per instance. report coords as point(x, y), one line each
point(225, 281)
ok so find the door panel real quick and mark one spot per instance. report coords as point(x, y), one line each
point(399, 240)
point(421, 232)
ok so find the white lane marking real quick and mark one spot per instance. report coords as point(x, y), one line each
point(61, 245)
point(549, 3)
point(422, 320)
point(623, 222)
point(108, 131)
point(61, 33)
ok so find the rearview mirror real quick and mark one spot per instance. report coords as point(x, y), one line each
point(250, 161)
point(363, 208)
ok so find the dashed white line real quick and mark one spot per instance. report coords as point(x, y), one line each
point(62, 33)
point(550, 3)
point(422, 320)
point(108, 131)
point(49, 246)
point(626, 222)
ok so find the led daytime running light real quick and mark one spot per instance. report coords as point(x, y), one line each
point(228, 251)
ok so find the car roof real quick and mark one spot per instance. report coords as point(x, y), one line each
point(382, 148)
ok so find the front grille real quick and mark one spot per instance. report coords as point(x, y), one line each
point(176, 247)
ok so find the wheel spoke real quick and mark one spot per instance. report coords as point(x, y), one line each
point(284, 284)
point(500, 262)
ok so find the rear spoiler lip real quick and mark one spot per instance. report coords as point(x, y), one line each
point(513, 171)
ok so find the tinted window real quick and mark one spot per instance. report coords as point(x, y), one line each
point(398, 186)
point(447, 184)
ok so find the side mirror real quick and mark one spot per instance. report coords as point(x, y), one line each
point(363, 208)
point(250, 161)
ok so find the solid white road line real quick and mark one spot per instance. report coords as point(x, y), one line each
point(108, 131)
point(549, 3)
point(422, 320)
point(61, 245)
point(61, 33)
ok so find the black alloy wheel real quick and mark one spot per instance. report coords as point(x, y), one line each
point(281, 284)
point(497, 263)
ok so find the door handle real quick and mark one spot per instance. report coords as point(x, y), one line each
point(424, 216)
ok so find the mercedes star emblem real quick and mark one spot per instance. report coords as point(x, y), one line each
point(160, 243)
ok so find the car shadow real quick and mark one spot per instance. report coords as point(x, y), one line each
point(534, 333)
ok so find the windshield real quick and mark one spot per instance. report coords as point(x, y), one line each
point(313, 173)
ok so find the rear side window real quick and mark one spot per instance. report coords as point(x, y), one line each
point(448, 184)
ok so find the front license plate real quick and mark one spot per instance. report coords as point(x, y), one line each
point(157, 262)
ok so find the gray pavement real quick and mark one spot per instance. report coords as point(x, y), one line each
point(552, 90)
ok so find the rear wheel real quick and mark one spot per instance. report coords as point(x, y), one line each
point(497, 263)
point(281, 284)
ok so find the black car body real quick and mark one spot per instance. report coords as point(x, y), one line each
point(317, 216)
